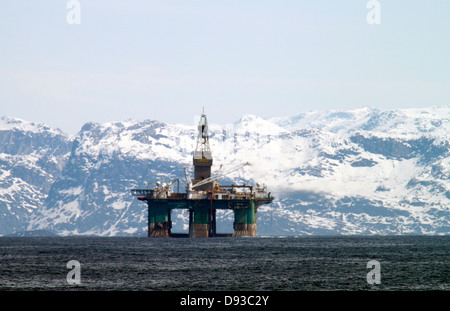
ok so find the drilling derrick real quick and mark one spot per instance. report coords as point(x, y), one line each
point(202, 159)
point(203, 197)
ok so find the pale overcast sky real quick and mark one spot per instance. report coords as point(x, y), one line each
point(165, 59)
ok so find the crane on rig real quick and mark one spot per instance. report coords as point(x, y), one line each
point(213, 179)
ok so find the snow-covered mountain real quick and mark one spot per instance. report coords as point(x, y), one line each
point(361, 171)
point(31, 159)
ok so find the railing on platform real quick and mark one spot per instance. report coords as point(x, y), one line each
point(142, 192)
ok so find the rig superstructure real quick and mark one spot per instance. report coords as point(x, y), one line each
point(203, 197)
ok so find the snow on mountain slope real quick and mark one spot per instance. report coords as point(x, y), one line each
point(393, 162)
point(361, 171)
point(31, 159)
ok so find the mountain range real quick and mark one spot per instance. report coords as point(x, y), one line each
point(363, 171)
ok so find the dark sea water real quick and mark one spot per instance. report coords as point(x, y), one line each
point(226, 264)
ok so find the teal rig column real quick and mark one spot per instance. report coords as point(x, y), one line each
point(245, 220)
point(158, 220)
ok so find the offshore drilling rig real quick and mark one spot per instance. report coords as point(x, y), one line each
point(203, 197)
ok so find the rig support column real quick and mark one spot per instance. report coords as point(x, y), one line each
point(245, 221)
point(158, 220)
point(201, 222)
